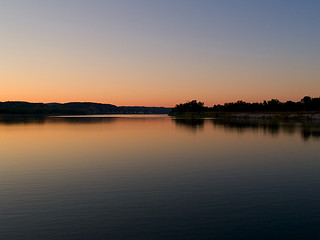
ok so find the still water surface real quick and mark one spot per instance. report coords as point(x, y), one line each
point(153, 177)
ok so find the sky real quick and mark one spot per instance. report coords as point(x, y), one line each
point(159, 52)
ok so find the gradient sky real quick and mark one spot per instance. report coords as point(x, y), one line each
point(159, 52)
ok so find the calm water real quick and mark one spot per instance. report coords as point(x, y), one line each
point(151, 177)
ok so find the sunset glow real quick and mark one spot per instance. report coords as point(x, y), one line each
point(159, 53)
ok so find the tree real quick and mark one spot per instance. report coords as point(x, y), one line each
point(192, 106)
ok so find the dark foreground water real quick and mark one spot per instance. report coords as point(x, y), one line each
point(151, 177)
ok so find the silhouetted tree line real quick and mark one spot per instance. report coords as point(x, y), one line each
point(75, 108)
point(274, 105)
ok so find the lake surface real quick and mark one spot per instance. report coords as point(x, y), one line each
point(153, 177)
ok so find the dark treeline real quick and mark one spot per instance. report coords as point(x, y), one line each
point(306, 104)
point(75, 108)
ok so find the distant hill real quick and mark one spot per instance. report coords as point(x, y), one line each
point(75, 108)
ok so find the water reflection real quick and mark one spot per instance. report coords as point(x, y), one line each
point(11, 119)
point(73, 119)
point(82, 120)
point(15, 120)
point(310, 131)
point(136, 177)
point(306, 129)
point(191, 123)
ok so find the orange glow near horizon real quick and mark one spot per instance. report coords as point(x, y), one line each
point(152, 88)
point(145, 56)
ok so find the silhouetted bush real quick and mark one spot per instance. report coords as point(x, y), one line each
point(192, 107)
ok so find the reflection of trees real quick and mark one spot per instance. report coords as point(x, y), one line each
point(20, 119)
point(191, 123)
point(273, 127)
point(309, 130)
point(82, 120)
point(242, 126)
point(29, 119)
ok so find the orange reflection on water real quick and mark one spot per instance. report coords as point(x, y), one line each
point(80, 145)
